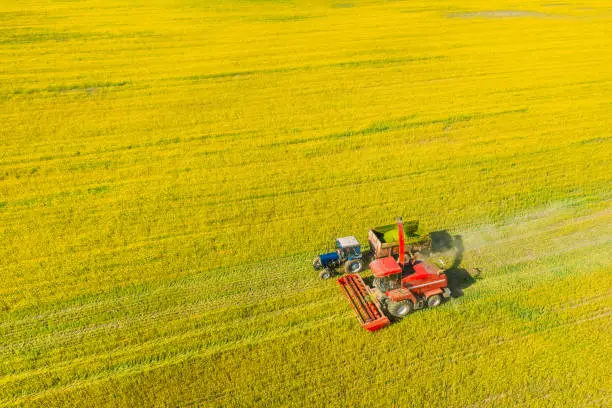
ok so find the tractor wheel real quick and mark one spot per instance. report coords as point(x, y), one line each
point(354, 266)
point(316, 263)
point(325, 274)
point(434, 301)
point(399, 309)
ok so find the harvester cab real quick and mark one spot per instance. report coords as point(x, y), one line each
point(404, 288)
point(347, 254)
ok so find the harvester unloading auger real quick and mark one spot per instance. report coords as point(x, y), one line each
point(398, 287)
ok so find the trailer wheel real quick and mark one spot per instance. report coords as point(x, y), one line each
point(434, 301)
point(325, 274)
point(399, 309)
point(354, 266)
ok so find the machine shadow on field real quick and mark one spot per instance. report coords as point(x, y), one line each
point(458, 278)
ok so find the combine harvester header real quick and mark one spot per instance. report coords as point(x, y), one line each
point(363, 302)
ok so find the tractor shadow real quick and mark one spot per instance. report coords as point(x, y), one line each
point(458, 277)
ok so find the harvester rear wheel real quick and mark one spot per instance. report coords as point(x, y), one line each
point(325, 274)
point(316, 263)
point(399, 309)
point(354, 266)
point(434, 301)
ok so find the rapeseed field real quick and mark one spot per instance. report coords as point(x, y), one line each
point(168, 170)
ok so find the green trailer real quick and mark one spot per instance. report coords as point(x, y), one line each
point(384, 240)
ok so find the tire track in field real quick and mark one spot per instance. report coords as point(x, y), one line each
point(341, 185)
point(110, 250)
point(141, 298)
point(183, 236)
point(200, 309)
point(279, 273)
point(491, 322)
point(143, 301)
point(102, 153)
point(149, 367)
point(440, 360)
point(376, 127)
point(279, 276)
point(437, 360)
point(161, 343)
point(154, 310)
point(317, 368)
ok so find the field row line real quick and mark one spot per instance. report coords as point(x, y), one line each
point(280, 274)
point(152, 366)
point(438, 360)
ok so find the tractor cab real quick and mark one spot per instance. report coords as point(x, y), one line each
point(348, 248)
point(347, 254)
point(387, 273)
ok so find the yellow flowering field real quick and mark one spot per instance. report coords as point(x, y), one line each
point(168, 170)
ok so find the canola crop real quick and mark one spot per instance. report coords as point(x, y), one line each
point(168, 170)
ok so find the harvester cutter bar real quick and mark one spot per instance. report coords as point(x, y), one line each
point(368, 310)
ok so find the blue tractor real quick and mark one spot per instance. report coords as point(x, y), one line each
point(347, 254)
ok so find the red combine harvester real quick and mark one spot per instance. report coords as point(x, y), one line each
point(399, 287)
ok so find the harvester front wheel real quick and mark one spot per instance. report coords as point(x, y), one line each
point(325, 274)
point(399, 309)
point(434, 301)
point(354, 266)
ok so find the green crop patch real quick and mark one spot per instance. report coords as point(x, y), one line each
point(98, 190)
